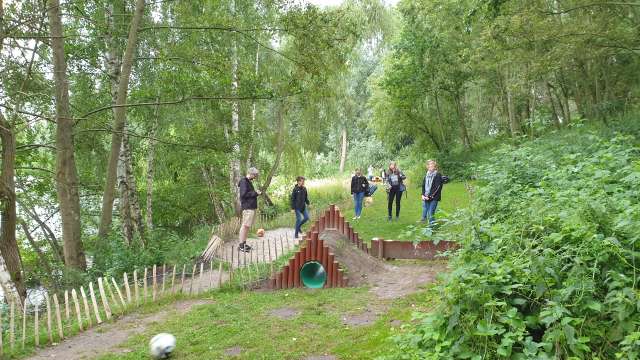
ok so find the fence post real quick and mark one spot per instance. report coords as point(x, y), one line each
point(105, 301)
point(48, 321)
point(193, 277)
point(154, 283)
point(24, 323)
point(12, 326)
point(36, 326)
point(96, 310)
point(164, 274)
point(144, 285)
point(58, 318)
point(219, 274)
point(184, 268)
point(173, 279)
point(74, 295)
point(66, 304)
point(86, 305)
point(115, 284)
point(126, 287)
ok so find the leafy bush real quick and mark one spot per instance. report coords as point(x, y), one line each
point(549, 260)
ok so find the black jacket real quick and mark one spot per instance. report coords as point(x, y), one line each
point(436, 187)
point(248, 195)
point(359, 184)
point(299, 198)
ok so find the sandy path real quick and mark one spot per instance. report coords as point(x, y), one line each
point(106, 338)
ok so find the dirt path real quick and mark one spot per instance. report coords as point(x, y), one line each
point(103, 339)
point(386, 281)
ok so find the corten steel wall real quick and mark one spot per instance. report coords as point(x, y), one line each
point(313, 249)
point(427, 250)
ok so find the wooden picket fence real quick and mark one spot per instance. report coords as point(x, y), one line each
point(62, 315)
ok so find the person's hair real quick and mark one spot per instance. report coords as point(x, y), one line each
point(299, 178)
point(434, 163)
point(253, 171)
point(395, 166)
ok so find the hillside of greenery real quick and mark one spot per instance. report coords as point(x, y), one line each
point(549, 261)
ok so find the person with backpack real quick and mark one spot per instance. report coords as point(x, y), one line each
point(249, 205)
point(395, 187)
point(359, 187)
point(299, 204)
point(431, 192)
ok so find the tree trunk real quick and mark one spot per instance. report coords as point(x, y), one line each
point(8, 244)
point(8, 286)
point(254, 110)
point(123, 187)
point(280, 142)
point(119, 121)
point(343, 149)
point(66, 172)
point(151, 167)
point(46, 230)
point(234, 161)
point(556, 118)
point(440, 121)
point(463, 126)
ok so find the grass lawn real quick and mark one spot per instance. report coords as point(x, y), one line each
point(244, 320)
point(373, 222)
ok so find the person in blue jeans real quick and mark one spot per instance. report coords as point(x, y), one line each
point(359, 186)
point(431, 192)
point(299, 204)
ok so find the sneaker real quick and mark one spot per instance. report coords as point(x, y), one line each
point(244, 247)
point(397, 218)
point(358, 217)
point(354, 218)
point(389, 218)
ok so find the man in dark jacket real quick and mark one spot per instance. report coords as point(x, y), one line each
point(299, 203)
point(249, 204)
point(431, 191)
point(359, 186)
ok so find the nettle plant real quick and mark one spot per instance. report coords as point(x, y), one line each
point(549, 266)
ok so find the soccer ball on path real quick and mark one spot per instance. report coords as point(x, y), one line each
point(161, 346)
point(260, 232)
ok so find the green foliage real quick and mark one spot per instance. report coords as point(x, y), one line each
point(549, 261)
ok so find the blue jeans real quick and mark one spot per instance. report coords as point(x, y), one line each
point(358, 198)
point(429, 210)
point(302, 216)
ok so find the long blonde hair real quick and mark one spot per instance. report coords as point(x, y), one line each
point(435, 163)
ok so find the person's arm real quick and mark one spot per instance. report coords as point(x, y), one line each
point(306, 197)
point(436, 187)
point(402, 176)
point(293, 199)
point(353, 184)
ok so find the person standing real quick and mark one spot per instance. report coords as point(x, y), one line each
point(431, 192)
point(249, 205)
point(370, 173)
point(359, 186)
point(395, 188)
point(299, 204)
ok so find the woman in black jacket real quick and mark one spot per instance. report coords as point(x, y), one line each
point(395, 187)
point(299, 203)
point(431, 191)
point(359, 186)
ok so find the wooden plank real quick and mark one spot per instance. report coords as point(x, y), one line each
point(113, 296)
point(144, 286)
point(12, 325)
point(211, 273)
point(269, 246)
point(184, 268)
point(164, 275)
point(173, 279)
point(115, 285)
point(24, 323)
point(76, 304)
point(58, 317)
point(66, 304)
point(49, 320)
point(105, 301)
point(135, 287)
point(200, 288)
point(154, 283)
point(36, 325)
point(95, 303)
point(126, 287)
point(193, 277)
point(86, 306)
